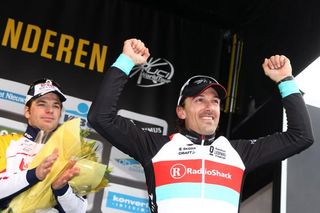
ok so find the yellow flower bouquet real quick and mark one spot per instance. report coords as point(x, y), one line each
point(90, 169)
point(72, 146)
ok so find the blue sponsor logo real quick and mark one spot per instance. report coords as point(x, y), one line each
point(127, 203)
point(81, 112)
point(11, 96)
point(127, 162)
point(130, 164)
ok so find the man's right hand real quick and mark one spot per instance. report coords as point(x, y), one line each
point(68, 173)
point(45, 166)
point(136, 51)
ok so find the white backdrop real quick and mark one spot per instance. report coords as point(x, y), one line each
point(300, 182)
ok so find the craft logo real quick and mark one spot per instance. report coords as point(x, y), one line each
point(127, 203)
point(154, 73)
point(81, 112)
point(189, 150)
point(130, 164)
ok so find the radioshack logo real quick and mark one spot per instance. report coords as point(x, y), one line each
point(127, 203)
point(178, 171)
point(154, 73)
point(81, 112)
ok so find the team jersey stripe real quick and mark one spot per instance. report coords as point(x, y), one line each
point(224, 175)
point(193, 190)
point(167, 172)
point(178, 190)
point(191, 171)
point(217, 192)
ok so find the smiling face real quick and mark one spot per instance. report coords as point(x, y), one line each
point(44, 112)
point(201, 113)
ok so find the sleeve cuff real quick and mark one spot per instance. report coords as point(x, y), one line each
point(287, 88)
point(32, 177)
point(124, 63)
point(62, 191)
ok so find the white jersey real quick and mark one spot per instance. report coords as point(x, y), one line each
point(19, 154)
point(198, 176)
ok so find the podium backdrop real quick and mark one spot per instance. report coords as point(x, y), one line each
point(74, 42)
point(300, 174)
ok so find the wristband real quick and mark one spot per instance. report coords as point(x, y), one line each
point(288, 87)
point(124, 63)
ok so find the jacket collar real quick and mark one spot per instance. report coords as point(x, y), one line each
point(197, 138)
point(31, 133)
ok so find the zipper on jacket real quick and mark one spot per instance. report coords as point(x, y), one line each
point(203, 168)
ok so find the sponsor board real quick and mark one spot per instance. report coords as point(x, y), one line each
point(145, 122)
point(9, 126)
point(122, 164)
point(118, 198)
point(12, 96)
point(76, 108)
